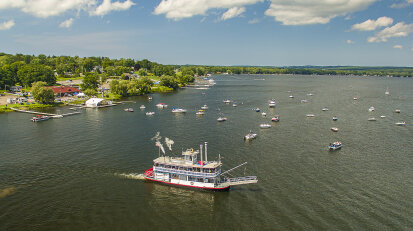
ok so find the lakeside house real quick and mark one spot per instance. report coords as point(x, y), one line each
point(15, 88)
point(64, 90)
point(97, 102)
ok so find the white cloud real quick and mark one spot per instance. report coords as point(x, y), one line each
point(48, 8)
point(398, 30)
point(253, 21)
point(7, 25)
point(301, 12)
point(398, 46)
point(232, 12)
point(67, 23)
point(107, 6)
point(350, 42)
point(401, 5)
point(179, 9)
point(373, 24)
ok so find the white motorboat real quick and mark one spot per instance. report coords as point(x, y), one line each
point(161, 105)
point(265, 125)
point(335, 118)
point(149, 113)
point(304, 101)
point(383, 116)
point(142, 107)
point(39, 118)
point(227, 101)
point(310, 94)
point(324, 109)
point(256, 109)
point(334, 146)
point(387, 92)
point(371, 119)
point(371, 109)
point(149, 97)
point(354, 98)
point(397, 111)
point(401, 123)
point(205, 107)
point(264, 114)
point(276, 118)
point(234, 104)
point(128, 109)
point(200, 112)
point(310, 115)
point(178, 110)
point(250, 136)
point(291, 96)
point(222, 119)
point(334, 129)
point(271, 103)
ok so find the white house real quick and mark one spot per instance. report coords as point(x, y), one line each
point(97, 102)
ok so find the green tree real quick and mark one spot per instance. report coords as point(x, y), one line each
point(90, 92)
point(41, 93)
point(90, 81)
point(31, 73)
point(169, 81)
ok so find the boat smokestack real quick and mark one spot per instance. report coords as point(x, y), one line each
point(206, 153)
point(200, 152)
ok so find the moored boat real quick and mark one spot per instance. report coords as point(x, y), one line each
point(264, 114)
point(310, 115)
point(257, 109)
point(334, 146)
point(149, 113)
point(397, 111)
point(335, 118)
point(234, 104)
point(200, 112)
point(205, 107)
point(265, 125)
point(161, 105)
point(371, 109)
point(178, 110)
point(383, 116)
point(142, 107)
point(276, 118)
point(250, 136)
point(324, 109)
point(401, 123)
point(222, 119)
point(354, 98)
point(371, 119)
point(128, 109)
point(39, 118)
point(271, 103)
point(334, 129)
point(227, 101)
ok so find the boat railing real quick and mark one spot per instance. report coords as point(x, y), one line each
point(191, 173)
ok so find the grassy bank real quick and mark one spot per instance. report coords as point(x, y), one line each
point(6, 108)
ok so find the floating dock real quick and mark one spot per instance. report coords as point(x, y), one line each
point(46, 114)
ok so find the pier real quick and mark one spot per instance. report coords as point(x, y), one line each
point(46, 114)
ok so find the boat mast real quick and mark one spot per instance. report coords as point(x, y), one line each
point(234, 168)
point(201, 152)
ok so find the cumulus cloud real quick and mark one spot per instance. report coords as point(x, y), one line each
point(232, 12)
point(179, 9)
point(253, 21)
point(48, 8)
point(299, 12)
point(107, 6)
point(6, 25)
point(398, 46)
point(349, 41)
point(398, 30)
point(373, 24)
point(67, 23)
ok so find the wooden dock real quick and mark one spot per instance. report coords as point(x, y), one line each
point(46, 114)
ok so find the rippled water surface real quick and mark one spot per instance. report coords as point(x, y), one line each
point(72, 173)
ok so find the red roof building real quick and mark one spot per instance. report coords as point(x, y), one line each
point(62, 90)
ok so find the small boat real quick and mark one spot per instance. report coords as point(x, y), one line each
point(200, 112)
point(354, 98)
point(275, 118)
point(335, 118)
point(149, 97)
point(227, 101)
point(383, 116)
point(304, 101)
point(334, 129)
point(264, 114)
point(387, 92)
point(128, 109)
point(371, 109)
point(257, 109)
point(222, 119)
point(401, 123)
point(250, 136)
point(324, 109)
point(149, 113)
point(291, 96)
point(205, 107)
point(39, 118)
point(265, 125)
point(142, 107)
point(178, 110)
point(271, 103)
point(161, 105)
point(234, 104)
point(310, 94)
point(310, 115)
point(334, 146)
point(397, 111)
point(371, 119)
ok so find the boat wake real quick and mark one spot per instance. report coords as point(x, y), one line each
point(134, 176)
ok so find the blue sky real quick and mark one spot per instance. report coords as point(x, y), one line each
point(214, 32)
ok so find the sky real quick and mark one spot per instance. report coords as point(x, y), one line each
point(214, 32)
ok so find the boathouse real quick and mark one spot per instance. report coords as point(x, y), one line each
point(64, 90)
